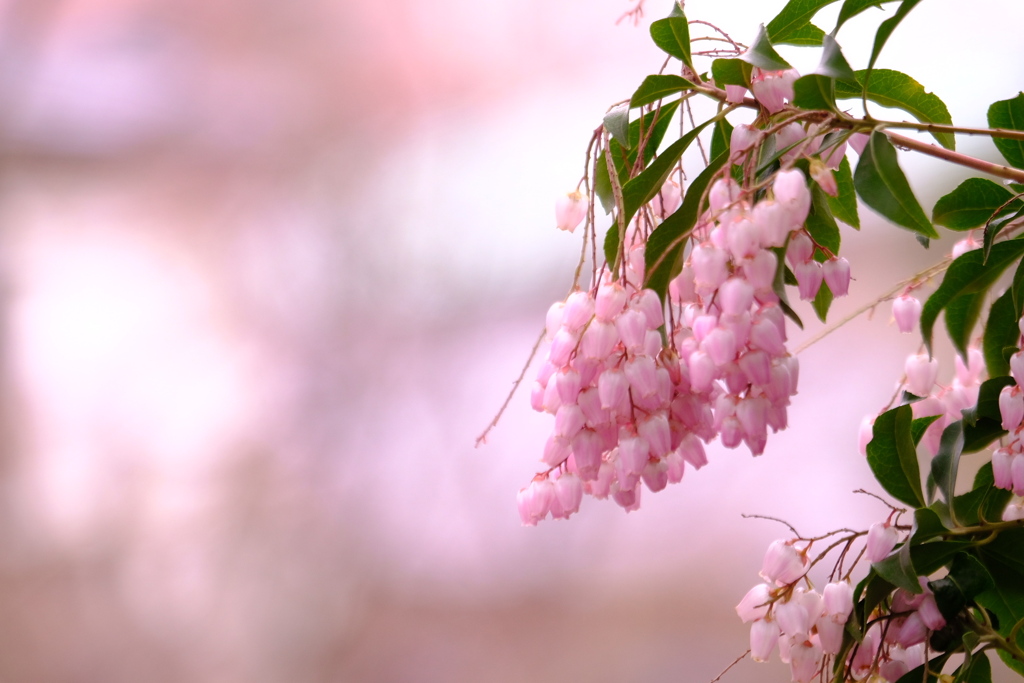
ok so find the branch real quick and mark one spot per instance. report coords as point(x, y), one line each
point(998, 170)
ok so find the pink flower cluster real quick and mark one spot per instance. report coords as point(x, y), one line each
point(807, 626)
point(1008, 460)
point(632, 406)
point(946, 402)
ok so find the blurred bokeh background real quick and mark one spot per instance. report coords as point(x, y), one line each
point(268, 268)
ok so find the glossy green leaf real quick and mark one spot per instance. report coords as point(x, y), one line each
point(970, 575)
point(893, 457)
point(672, 35)
point(962, 314)
point(782, 275)
point(927, 525)
point(852, 8)
point(968, 275)
point(721, 137)
point(793, 24)
point(844, 204)
point(885, 30)
point(881, 185)
point(833, 64)
point(972, 204)
point(813, 92)
point(923, 675)
point(898, 569)
point(822, 302)
point(658, 86)
point(897, 90)
point(731, 72)
point(920, 425)
point(929, 557)
point(1001, 332)
point(665, 245)
point(762, 55)
point(996, 224)
point(1004, 559)
point(982, 423)
point(1009, 114)
point(977, 670)
point(947, 461)
point(650, 127)
point(820, 223)
point(991, 502)
point(617, 123)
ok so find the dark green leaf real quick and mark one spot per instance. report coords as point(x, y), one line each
point(650, 130)
point(657, 86)
point(1001, 331)
point(672, 35)
point(852, 8)
point(779, 286)
point(731, 72)
point(721, 137)
point(833, 64)
point(820, 223)
point(926, 525)
point(947, 460)
point(929, 557)
point(995, 225)
point(920, 425)
point(968, 275)
point(1009, 114)
point(885, 30)
point(792, 23)
point(918, 675)
point(970, 575)
point(898, 569)
point(962, 315)
point(948, 597)
point(844, 204)
point(893, 458)
point(971, 204)
point(822, 302)
point(982, 424)
point(983, 503)
point(977, 670)
point(617, 123)
point(877, 590)
point(1004, 560)
point(899, 91)
point(814, 92)
point(881, 185)
point(762, 55)
point(667, 240)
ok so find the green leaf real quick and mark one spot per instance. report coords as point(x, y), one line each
point(672, 35)
point(658, 86)
point(844, 204)
point(1004, 560)
point(822, 302)
point(898, 569)
point(982, 423)
point(877, 590)
point(995, 225)
point(1009, 114)
point(1001, 332)
point(970, 575)
point(971, 204)
point(893, 458)
point(920, 425)
point(918, 675)
point(820, 223)
point(947, 460)
point(617, 123)
point(974, 506)
point(833, 64)
point(731, 72)
point(897, 90)
point(967, 275)
point(779, 286)
point(977, 670)
point(852, 8)
point(792, 23)
point(929, 557)
point(885, 30)
point(721, 137)
point(667, 238)
point(962, 315)
point(814, 92)
point(927, 525)
point(762, 55)
point(881, 185)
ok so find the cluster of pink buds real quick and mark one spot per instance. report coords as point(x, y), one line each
point(946, 402)
point(773, 89)
point(804, 624)
point(1008, 460)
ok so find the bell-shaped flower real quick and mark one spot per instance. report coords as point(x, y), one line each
point(825, 177)
point(723, 194)
point(969, 374)
point(667, 200)
point(907, 312)
point(709, 267)
point(743, 139)
point(808, 278)
point(569, 492)
point(790, 188)
point(800, 249)
point(1017, 368)
point(882, 539)
point(734, 94)
point(610, 300)
point(837, 275)
point(773, 88)
point(754, 604)
point(804, 659)
point(1011, 407)
point(789, 136)
point(570, 211)
point(655, 475)
point(783, 563)
point(921, 373)
point(764, 634)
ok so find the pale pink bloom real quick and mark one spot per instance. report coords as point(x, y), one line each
point(731, 433)
point(864, 657)
point(929, 611)
point(789, 135)
point(568, 420)
point(610, 300)
point(743, 238)
point(739, 325)
point(754, 604)
point(632, 328)
point(569, 492)
point(676, 467)
point(734, 94)
point(692, 451)
point(753, 415)
point(627, 498)
point(720, 345)
point(825, 177)
point(599, 339)
point(792, 615)
point(773, 221)
point(907, 312)
point(743, 138)
point(1001, 459)
point(703, 325)
point(783, 563)
point(1017, 474)
point(667, 200)
point(735, 296)
point(808, 277)
point(655, 475)
point(858, 141)
point(773, 88)
point(567, 384)
point(830, 633)
point(759, 271)
point(641, 372)
point(756, 366)
point(764, 634)
point(709, 267)
point(882, 539)
point(647, 302)
point(800, 249)
point(804, 659)
point(655, 430)
point(586, 450)
point(893, 670)
point(537, 397)
point(970, 374)
point(1014, 511)
point(570, 211)
point(1017, 368)
point(837, 275)
point(633, 453)
point(911, 632)
point(1011, 407)
point(613, 388)
point(837, 599)
point(921, 374)
point(589, 401)
point(723, 194)
point(702, 371)
point(965, 245)
point(681, 289)
point(579, 308)
point(765, 335)
point(790, 188)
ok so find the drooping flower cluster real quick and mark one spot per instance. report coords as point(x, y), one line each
point(1008, 459)
point(636, 392)
point(807, 627)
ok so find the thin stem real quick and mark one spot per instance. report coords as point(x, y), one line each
point(515, 385)
point(940, 128)
point(998, 170)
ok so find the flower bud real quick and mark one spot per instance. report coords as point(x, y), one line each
point(764, 634)
point(808, 278)
point(790, 188)
point(754, 604)
point(743, 138)
point(837, 275)
point(723, 194)
point(907, 312)
point(1011, 407)
point(825, 177)
point(734, 94)
point(783, 563)
point(667, 200)
point(881, 540)
point(610, 300)
point(570, 211)
point(773, 88)
point(921, 374)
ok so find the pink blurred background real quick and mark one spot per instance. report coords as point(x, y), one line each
point(268, 268)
